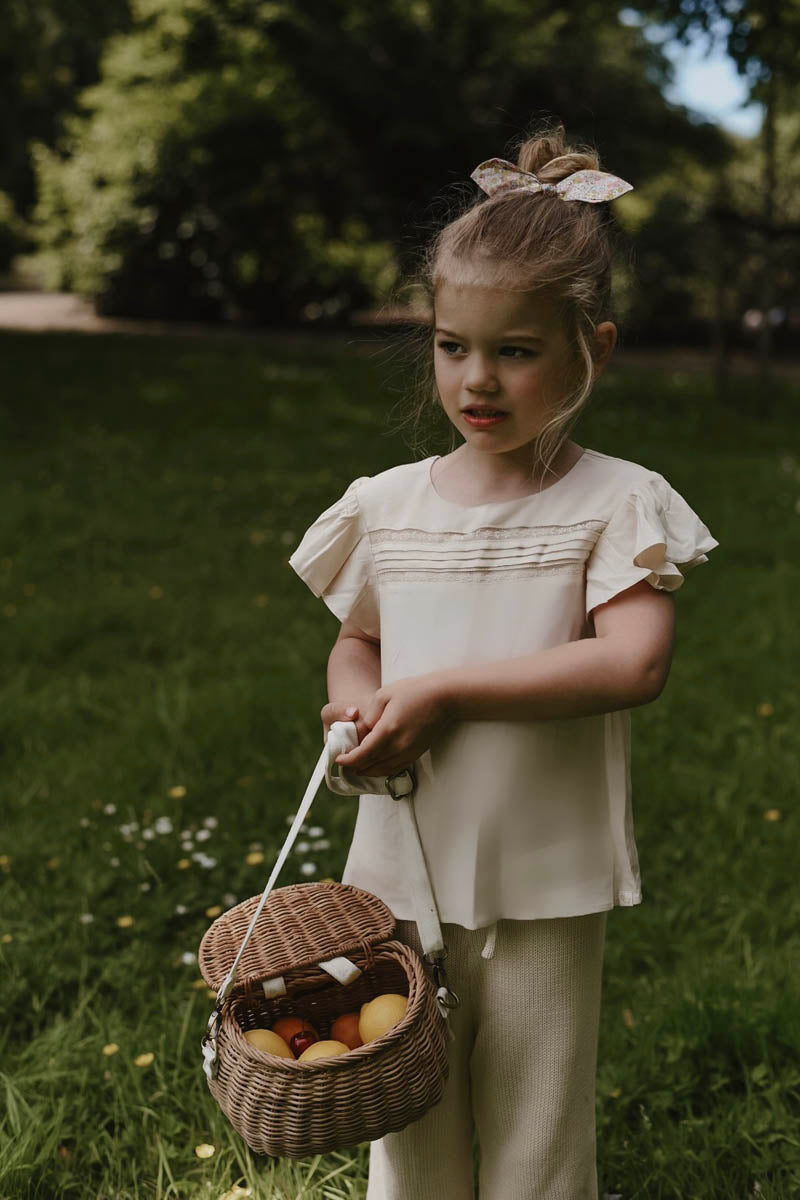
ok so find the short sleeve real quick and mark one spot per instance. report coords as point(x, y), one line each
point(334, 559)
point(652, 534)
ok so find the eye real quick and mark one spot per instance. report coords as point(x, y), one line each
point(515, 350)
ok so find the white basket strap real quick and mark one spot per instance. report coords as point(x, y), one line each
point(342, 736)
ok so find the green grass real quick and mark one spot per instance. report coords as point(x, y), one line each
point(154, 639)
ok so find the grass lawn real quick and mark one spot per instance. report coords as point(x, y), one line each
point(163, 672)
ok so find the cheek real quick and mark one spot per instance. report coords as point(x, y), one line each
point(445, 373)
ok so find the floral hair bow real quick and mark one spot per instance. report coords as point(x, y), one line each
point(498, 175)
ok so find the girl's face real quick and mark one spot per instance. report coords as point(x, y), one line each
point(503, 350)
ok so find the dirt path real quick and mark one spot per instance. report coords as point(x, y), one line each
point(38, 311)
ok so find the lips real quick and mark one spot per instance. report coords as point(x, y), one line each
point(485, 412)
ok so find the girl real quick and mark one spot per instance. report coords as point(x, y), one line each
point(503, 608)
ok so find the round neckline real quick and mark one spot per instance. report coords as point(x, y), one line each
point(499, 503)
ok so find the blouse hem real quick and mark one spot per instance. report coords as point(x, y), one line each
point(622, 900)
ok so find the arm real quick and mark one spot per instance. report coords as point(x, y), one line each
point(354, 667)
point(625, 665)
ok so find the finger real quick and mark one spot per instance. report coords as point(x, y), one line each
point(369, 747)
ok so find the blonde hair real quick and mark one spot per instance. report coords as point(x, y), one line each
point(524, 242)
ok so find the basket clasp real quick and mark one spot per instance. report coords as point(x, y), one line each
point(446, 999)
point(208, 1045)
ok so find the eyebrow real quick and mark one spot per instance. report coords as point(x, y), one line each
point(516, 337)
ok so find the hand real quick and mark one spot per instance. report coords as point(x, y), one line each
point(404, 719)
point(342, 710)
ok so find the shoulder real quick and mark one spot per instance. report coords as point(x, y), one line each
point(388, 490)
point(610, 479)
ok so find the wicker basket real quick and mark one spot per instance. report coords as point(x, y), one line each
point(320, 950)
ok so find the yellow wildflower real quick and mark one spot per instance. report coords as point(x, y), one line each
point(124, 922)
point(110, 1048)
point(144, 1060)
point(214, 910)
point(6, 938)
point(615, 1093)
point(177, 791)
point(765, 709)
point(772, 814)
point(627, 1017)
point(254, 858)
point(183, 863)
point(204, 1150)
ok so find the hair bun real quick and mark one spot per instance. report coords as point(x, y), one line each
point(551, 158)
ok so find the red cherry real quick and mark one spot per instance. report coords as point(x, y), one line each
point(301, 1041)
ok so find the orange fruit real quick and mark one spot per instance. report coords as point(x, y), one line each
point(328, 1049)
point(269, 1042)
point(345, 1029)
point(380, 1014)
point(287, 1027)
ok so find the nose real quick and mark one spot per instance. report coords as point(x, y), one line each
point(479, 374)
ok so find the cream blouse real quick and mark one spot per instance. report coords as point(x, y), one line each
point(519, 819)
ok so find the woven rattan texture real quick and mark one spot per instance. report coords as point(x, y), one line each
point(287, 1108)
point(303, 923)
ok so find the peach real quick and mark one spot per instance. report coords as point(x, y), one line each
point(345, 1029)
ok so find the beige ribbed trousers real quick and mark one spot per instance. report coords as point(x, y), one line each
point(522, 1070)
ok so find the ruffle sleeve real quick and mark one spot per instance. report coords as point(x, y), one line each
point(334, 559)
point(652, 534)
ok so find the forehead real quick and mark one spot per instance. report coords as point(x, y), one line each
point(469, 308)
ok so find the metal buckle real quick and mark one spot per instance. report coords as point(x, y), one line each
point(407, 773)
point(446, 998)
point(208, 1044)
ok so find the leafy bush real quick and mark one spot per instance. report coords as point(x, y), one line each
point(156, 205)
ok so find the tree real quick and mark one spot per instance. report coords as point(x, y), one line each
point(762, 37)
point(262, 158)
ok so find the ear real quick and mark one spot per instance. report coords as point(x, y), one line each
point(605, 339)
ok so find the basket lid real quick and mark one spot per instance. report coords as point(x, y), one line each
point(300, 924)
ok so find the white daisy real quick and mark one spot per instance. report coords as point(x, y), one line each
point(110, 809)
point(308, 868)
point(211, 822)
